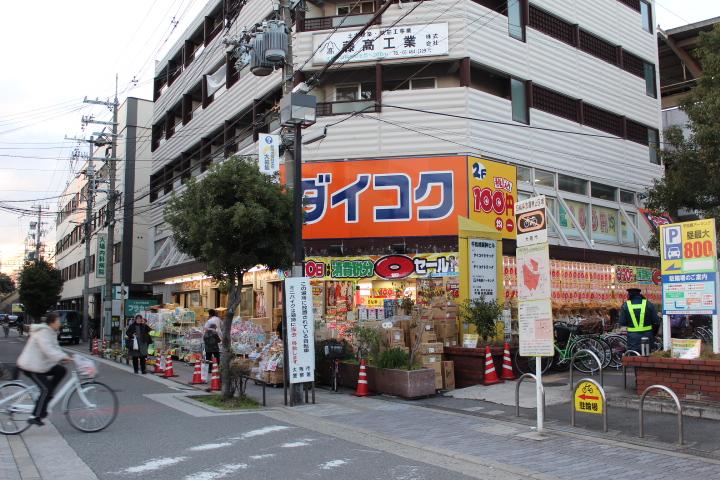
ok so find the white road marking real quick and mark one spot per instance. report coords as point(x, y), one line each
point(332, 464)
point(154, 464)
point(209, 446)
point(220, 473)
point(260, 457)
point(261, 431)
point(294, 444)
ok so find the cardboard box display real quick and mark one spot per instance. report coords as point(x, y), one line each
point(428, 359)
point(437, 366)
point(395, 337)
point(431, 348)
point(448, 375)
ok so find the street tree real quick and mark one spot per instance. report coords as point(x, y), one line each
point(40, 287)
point(7, 284)
point(233, 219)
point(692, 161)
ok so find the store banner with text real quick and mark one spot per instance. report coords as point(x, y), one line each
point(300, 328)
point(492, 190)
point(483, 269)
point(387, 267)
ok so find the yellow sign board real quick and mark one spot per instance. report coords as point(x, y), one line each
point(375, 302)
point(588, 398)
point(685, 348)
point(492, 195)
point(688, 247)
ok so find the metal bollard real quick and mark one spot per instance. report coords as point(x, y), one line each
point(517, 392)
point(645, 346)
point(677, 403)
point(624, 368)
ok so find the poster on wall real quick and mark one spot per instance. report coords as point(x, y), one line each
point(533, 272)
point(604, 224)
point(300, 330)
point(483, 269)
point(579, 211)
point(535, 327)
point(386, 267)
point(492, 189)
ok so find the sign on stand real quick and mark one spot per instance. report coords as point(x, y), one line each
point(300, 330)
point(588, 398)
point(483, 268)
point(535, 327)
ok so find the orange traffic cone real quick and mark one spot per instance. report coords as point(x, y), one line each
point(159, 364)
point(507, 371)
point(362, 385)
point(169, 372)
point(197, 377)
point(491, 377)
point(95, 350)
point(215, 377)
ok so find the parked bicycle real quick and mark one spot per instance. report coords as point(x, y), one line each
point(334, 351)
point(88, 405)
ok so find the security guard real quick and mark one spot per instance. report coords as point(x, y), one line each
point(640, 317)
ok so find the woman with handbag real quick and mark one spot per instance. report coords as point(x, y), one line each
point(138, 339)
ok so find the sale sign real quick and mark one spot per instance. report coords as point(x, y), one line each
point(493, 192)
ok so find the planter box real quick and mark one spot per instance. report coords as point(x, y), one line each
point(687, 378)
point(470, 363)
point(402, 383)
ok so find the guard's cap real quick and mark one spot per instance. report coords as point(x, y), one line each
point(632, 291)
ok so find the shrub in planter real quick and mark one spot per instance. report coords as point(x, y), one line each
point(483, 314)
point(395, 358)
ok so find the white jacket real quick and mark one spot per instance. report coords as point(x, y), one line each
point(42, 351)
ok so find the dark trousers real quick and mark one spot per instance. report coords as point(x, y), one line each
point(141, 360)
point(47, 383)
point(210, 355)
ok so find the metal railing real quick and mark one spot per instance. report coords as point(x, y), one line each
point(677, 403)
point(597, 360)
point(517, 392)
point(636, 353)
point(324, 23)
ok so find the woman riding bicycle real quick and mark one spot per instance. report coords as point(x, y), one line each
point(40, 360)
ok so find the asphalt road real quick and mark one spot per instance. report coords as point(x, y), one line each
point(152, 440)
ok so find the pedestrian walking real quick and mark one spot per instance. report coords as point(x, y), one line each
point(211, 339)
point(640, 317)
point(137, 337)
point(213, 320)
point(20, 322)
point(6, 326)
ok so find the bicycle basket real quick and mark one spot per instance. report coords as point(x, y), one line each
point(334, 349)
point(85, 366)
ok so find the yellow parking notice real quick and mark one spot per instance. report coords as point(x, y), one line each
point(588, 398)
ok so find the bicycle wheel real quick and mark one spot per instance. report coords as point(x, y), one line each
point(586, 363)
point(527, 364)
point(91, 407)
point(618, 347)
point(16, 407)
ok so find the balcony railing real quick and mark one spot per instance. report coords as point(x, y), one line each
point(325, 109)
point(323, 23)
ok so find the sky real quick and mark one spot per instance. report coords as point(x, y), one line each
point(57, 53)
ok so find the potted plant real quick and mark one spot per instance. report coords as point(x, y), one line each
point(482, 313)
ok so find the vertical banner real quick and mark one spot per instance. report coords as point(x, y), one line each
point(269, 153)
point(483, 269)
point(300, 330)
point(101, 255)
point(493, 190)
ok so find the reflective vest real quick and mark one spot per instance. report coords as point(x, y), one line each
point(638, 324)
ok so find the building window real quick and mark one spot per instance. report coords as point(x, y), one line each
point(604, 224)
point(649, 74)
point(572, 184)
point(627, 197)
point(524, 176)
point(516, 19)
point(555, 103)
point(92, 263)
point(410, 84)
point(551, 25)
point(653, 144)
point(603, 192)
point(544, 179)
point(422, 83)
point(117, 252)
point(646, 14)
point(627, 234)
point(602, 120)
point(347, 93)
point(356, 8)
point(598, 47)
point(567, 225)
point(518, 94)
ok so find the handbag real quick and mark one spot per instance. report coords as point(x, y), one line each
point(135, 344)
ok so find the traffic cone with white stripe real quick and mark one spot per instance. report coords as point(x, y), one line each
point(95, 349)
point(169, 372)
point(507, 371)
point(215, 385)
point(491, 376)
point(159, 363)
point(362, 385)
point(197, 376)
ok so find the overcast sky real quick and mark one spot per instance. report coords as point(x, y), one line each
point(56, 53)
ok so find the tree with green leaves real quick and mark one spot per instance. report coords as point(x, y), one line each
point(7, 284)
point(40, 287)
point(692, 162)
point(233, 219)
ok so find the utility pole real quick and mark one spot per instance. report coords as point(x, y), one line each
point(38, 232)
point(106, 325)
point(90, 175)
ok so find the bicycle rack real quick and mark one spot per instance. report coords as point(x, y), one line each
point(572, 364)
point(677, 403)
point(604, 402)
point(517, 392)
point(637, 354)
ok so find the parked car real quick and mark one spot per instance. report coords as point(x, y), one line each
point(70, 326)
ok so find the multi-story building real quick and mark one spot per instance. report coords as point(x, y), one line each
point(132, 183)
point(565, 91)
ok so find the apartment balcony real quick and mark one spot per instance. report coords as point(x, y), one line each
point(325, 109)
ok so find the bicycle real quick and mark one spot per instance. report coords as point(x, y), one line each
point(563, 354)
point(334, 351)
point(89, 406)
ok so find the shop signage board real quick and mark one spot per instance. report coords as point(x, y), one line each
point(483, 269)
point(685, 348)
point(531, 221)
point(689, 294)
point(101, 255)
point(300, 330)
point(533, 272)
point(492, 193)
point(387, 267)
point(377, 43)
point(655, 221)
point(138, 306)
point(625, 274)
point(588, 398)
point(535, 326)
point(269, 153)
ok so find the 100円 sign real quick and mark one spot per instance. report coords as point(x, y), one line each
point(300, 330)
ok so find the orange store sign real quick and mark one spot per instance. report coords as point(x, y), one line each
point(405, 197)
